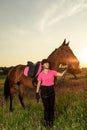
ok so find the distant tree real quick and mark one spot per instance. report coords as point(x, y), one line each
point(4, 70)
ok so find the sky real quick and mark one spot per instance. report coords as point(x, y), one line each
point(31, 29)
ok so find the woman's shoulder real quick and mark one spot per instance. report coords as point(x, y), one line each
point(52, 70)
point(41, 73)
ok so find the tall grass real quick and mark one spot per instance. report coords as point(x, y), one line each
point(70, 114)
point(70, 111)
point(20, 119)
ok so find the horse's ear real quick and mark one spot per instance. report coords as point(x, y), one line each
point(64, 42)
point(67, 43)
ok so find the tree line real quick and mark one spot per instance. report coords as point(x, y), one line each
point(4, 70)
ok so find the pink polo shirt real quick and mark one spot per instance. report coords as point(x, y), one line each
point(47, 79)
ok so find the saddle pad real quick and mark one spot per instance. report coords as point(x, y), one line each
point(26, 69)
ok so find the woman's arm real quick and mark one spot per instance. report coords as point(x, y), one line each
point(38, 86)
point(61, 74)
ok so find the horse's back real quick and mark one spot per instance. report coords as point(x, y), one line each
point(16, 72)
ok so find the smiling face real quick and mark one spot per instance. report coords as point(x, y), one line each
point(46, 65)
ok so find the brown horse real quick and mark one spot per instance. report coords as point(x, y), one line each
point(62, 55)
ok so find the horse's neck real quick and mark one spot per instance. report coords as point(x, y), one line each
point(55, 67)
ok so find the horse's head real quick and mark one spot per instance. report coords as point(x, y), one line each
point(64, 56)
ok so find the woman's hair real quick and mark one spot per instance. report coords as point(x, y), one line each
point(44, 61)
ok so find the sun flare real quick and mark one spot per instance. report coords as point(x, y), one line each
point(83, 57)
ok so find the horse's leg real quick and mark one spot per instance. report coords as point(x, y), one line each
point(21, 93)
point(11, 99)
point(21, 101)
point(74, 75)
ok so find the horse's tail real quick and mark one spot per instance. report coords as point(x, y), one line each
point(6, 88)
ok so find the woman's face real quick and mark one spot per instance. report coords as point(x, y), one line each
point(46, 65)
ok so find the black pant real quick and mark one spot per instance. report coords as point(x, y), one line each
point(48, 99)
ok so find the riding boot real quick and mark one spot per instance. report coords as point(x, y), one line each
point(47, 125)
point(51, 124)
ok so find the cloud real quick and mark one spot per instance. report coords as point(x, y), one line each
point(59, 11)
point(77, 8)
point(47, 16)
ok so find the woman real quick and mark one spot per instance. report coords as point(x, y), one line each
point(46, 85)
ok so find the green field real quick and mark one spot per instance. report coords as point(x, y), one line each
point(70, 108)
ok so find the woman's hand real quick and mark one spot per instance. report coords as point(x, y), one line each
point(64, 71)
point(37, 97)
